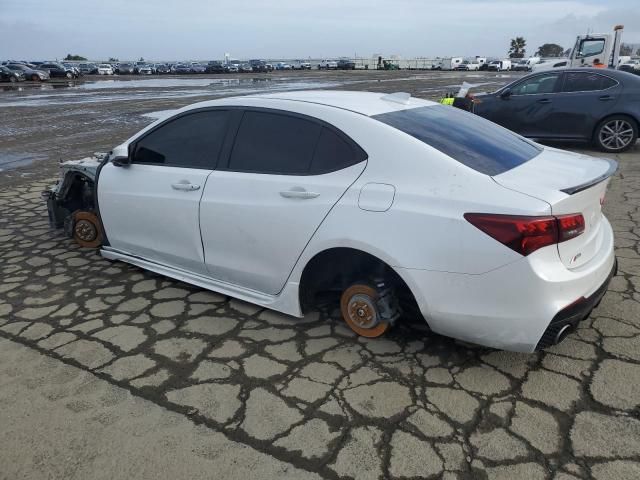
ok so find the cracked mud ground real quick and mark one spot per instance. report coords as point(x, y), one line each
point(203, 385)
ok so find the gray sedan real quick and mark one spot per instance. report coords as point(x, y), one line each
point(29, 72)
point(601, 106)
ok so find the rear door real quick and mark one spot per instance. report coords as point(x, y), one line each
point(150, 208)
point(284, 174)
point(585, 99)
point(530, 106)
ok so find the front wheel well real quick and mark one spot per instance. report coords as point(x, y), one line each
point(76, 193)
point(335, 269)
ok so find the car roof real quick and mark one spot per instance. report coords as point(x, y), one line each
point(365, 103)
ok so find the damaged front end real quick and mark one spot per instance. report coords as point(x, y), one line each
point(73, 197)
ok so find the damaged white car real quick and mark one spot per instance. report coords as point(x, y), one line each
point(394, 204)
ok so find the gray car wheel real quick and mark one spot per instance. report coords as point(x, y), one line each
point(616, 134)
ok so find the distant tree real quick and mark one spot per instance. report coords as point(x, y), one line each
point(638, 52)
point(517, 48)
point(74, 57)
point(113, 59)
point(550, 50)
point(626, 49)
point(141, 59)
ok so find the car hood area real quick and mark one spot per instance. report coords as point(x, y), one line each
point(555, 173)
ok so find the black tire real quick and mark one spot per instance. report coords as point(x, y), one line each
point(35, 78)
point(69, 75)
point(13, 79)
point(616, 134)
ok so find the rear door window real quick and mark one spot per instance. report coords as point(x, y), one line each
point(334, 152)
point(467, 138)
point(274, 143)
point(586, 82)
point(192, 141)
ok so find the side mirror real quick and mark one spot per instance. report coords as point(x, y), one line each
point(120, 161)
point(506, 93)
point(123, 161)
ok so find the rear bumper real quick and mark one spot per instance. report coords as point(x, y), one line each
point(569, 317)
point(512, 307)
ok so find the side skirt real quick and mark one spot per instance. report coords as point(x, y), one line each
point(286, 301)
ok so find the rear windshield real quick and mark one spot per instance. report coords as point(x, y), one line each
point(467, 138)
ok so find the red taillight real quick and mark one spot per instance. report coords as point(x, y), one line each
point(525, 234)
point(570, 226)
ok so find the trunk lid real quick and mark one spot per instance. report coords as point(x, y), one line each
point(570, 183)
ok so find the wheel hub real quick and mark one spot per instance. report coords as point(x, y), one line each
point(362, 311)
point(86, 231)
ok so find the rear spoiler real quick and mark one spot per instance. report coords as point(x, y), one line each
point(613, 166)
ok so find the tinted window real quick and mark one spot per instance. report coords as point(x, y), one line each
point(274, 143)
point(334, 152)
point(536, 85)
point(586, 82)
point(193, 140)
point(467, 138)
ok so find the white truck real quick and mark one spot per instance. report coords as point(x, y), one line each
point(469, 65)
point(499, 65)
point(450, 63)
point(593, 49)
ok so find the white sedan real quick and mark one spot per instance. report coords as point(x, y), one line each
point(105, 69)
point(395, 204)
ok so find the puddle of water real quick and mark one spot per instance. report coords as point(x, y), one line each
point(149, 83)
point(13, 160)
point(223, 87)
point(18, 87)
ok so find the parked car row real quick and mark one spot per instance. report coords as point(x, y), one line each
point(144, 68)
point(17, 71)
point(342, 64)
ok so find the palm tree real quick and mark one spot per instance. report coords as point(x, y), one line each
point(517, 49)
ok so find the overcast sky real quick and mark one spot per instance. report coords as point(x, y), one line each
point(206, 29)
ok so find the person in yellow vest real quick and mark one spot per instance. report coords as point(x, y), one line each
point(464, 103)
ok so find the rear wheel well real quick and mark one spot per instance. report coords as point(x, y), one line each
point(336, 269)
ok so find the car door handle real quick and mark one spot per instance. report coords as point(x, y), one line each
point(298, 193)
point(605, 98)
point(185, 186)
point(544, 100)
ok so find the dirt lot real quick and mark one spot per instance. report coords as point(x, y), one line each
point(108, 371)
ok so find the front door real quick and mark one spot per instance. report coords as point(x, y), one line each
point(529, 107)
point(150, 208)
point(284, 175)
